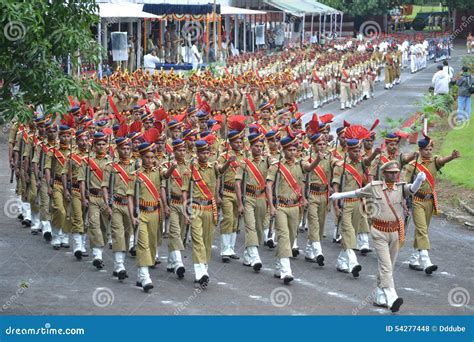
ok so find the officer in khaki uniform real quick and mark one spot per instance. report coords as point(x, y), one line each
point(92, 172)
point(47, 146)
point(54, 165)
point(148, 181)
point(353, 223)
point(228, 165)
point(318, 198)
point(389, 231)
point(290, 199)
point(204, 196)
point(72, 169)
point(118, 174)
point(252, 173)
point(28, 135)
point(425, 202)
point(174, 209)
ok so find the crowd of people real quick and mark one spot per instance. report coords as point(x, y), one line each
point(163, 157)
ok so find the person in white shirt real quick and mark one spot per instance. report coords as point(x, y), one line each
point(449, 70)
point(440, 81)
point(149, 61)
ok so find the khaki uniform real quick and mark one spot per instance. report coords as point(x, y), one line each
point(388, 233)
point(149, 216)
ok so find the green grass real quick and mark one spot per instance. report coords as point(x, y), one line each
point(460, 171)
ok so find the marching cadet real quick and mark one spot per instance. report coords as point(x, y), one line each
point(47, 146)
point(22, 140)
point(345, 89)
point(318, 199)
point(425, 202)
point(174, 209)
point(200, 191)
point(227, 166)
point(349, 175)
point(144, 209)
point(90, 179)
point(318, 87)
point(115, 185)
point(250, 177)
point(388, 234)
point(174, 129)
point(32, 153)
point(70, 175)
point(55, 162)
point(272, 156)
point(285, 203)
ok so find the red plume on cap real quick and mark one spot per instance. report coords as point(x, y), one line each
point(374, 125)
point(346, 123)
point(211, 139)
point(159, 126)
point(142, 102)
point(123, 129)
point(179, 118)
point(236, 122)
point(401, 134)
point(357, 132)
point(151, 135)
point(219, 118)
point(160, 114)
point(290, 132)
point(136, 126)
point(107, 131)
point(205, 107)
point(293, 108)
point(313, 125)
point(326, 118)
point(298, 115)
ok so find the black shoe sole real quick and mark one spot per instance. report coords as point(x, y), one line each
point(20, 217)
point(147, 287)
point(170, 270)
point(63, 245)
point(430, 269)
point(180, 272)
point(78, 255)
point(26, 223)
point(295, 252)
point(47, 236)
point(415, 267)
point(287, 280)
point(132, 252)
point(122, 275)
point(204, 281)
point(309, 259)
point(235, 257)
point(396, 305)
point(99, 264)
point(225, 260)
point(257, 267)
point(56, 248)
point(320, 260)
point(355, 271)
point(270, 244)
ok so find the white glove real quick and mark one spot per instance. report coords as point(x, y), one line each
point(338, 195)
point(420, 178)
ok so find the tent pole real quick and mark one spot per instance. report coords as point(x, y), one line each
point(244, 32)
point(144, 37)
point(312, 19)
point(342, 22)
point(99, 37)
point(236, 32)
point(302, 29)
point(139, 42)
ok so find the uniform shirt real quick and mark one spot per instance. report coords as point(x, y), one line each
point(229, 174)
point(396, 195)
point(349, 181)
point(94, 182)
point(120, 187)
point(377, 163)
point(75, 167)
point(145, 194)
point(182, 171)
point(324, 165)
point(284, 189)
point(432, 166)
point(64, 150)
point(208, 173)
point(261, 164)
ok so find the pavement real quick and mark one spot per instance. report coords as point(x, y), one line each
point(37, 280)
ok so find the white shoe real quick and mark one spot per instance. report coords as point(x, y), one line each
point(226, 247)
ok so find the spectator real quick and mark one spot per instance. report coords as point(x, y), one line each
point(449, 70)
point(464, 95)
point(149, 61)
point(440, 81)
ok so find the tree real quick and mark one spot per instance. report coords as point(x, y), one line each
point(38, 36)
point(361, 7)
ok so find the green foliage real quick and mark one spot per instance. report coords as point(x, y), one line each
point(361, 7)
point(37, 37)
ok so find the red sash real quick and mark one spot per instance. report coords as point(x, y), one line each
point(264, 131)
point(234, 165)
point(384, 159)
point(204, 190)
point(150, 186)
point(318, 80)
point(96, 169)
point(345, 73)
point(59, 156)
point(431, 181)
point(25, 136)
point(290, 180)
point(169, 149)
point(45, 148)
point(76, 158)
point(177, 177)
point(122, 173)
point(255, 172)
point(250, 101)
point(320, 172)
point(336, 154)
point(357, 176)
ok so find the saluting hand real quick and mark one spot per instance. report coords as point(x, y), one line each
point(455, 154)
